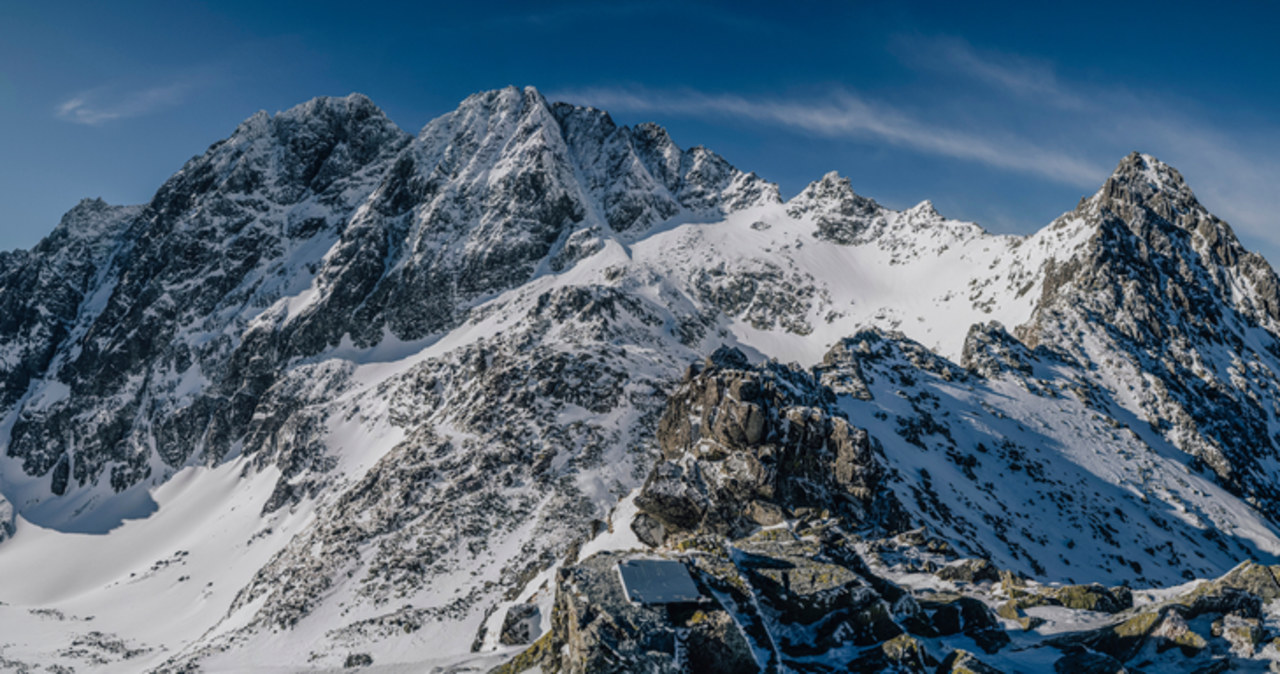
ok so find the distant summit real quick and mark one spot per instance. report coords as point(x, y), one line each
point(343, 395)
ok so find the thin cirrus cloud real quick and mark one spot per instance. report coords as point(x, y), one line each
point(101, 105)
point(1026, 119)
point(1019, 76)
point(1231, 167)
point(847, 115)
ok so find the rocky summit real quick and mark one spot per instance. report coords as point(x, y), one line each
point(340, 396)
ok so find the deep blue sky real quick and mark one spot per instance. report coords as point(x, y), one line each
point(1004, 115)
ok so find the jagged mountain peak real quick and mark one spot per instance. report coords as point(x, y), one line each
point(1147, 217)
point(1168, 287)
point(1145, 172)
point(86, 205)
point(455, 350)
point(489, 109)
point(289, 155)
point(89, 217)
point(924, 210)
point(507, 95)
point(92, 227)
point(354, 103)
point(1145, 191)
point(842, 215)
point(491, 193)
point(335, 114)
point(636, 176)
point(832, 187)
point(833, 194)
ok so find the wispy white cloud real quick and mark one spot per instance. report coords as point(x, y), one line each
point(1020, 115)
point(104, 104)
point(1013, 74)
point(1233, 168)
point(847, 115)
point(1234, 173)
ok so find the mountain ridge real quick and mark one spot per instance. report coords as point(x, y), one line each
point(436, 363)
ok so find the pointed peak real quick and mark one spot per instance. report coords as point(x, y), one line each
point(255, 124)
point(834, 178)
point(347, 112)
point(654, 137)
point(924, 209)
point(508, 105)
point(507, 92)
point(837, 191)
point(507, 97)
point(652, 128)
point(1140, 178)
point(89, 204)
point(94, 218)
point(841, 215)
point(354, 105)
point(1147, 167)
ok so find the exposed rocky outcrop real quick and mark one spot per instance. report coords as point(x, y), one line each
point(1167, 290)
point(394, 235)
point(520, 625)
point(781, 564)
point(6, 519)
point(448, 355)
point(969, 571)
point(596, 629)
point(841, 215)
point(744, 447)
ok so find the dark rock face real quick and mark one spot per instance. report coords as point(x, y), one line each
point(715, 645)
point(240, 311)
point(356, 660)
point(841, 215)
point(1161, 284)
point(6, 519)
point(744, 447)
point(966, 615)
point(773, 598)
point(990, 351)
point(1194, 624)
point(970, 571)
point(520, 626)
point(228, 219)
point(160, 326)
point(41, 290)
point(595, 629)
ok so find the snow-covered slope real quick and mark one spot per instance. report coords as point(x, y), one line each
point(338, 389)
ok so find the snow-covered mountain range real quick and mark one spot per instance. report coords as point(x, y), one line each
point(340, 395)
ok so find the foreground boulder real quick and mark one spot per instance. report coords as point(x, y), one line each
point(595, 628)
point(784, 512)
point(969, 571)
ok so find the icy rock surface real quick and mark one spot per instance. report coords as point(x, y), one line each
point(340, 389)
